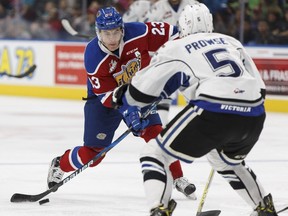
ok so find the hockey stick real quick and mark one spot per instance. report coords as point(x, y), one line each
point(282, 210)
point(25, 74)
point(201, 204)
point(67, 26)
point(18, 197)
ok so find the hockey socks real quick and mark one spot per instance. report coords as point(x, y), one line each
point(157, 183)
point(151, 132)
point(176, 170)
point(75, 158)
point(243, 180)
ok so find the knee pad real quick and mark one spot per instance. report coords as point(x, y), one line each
point(216, 162)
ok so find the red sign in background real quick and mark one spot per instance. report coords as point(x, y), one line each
point(274, 72)
point(69, 65)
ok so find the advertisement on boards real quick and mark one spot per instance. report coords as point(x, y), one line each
point(274, 72)
point(69, 65)
point(16, 57)
point(272, 64)
point(60, 64)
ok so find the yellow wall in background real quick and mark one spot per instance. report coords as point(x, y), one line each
point(276, 105)
point(44, 92)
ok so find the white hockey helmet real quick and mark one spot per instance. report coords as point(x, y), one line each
point(195, 18)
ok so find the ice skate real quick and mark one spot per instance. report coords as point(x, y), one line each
point(184, 186)
point(161, 211)
point(266, 209)
point(55, 174)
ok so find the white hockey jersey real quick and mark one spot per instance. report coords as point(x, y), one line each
point(137, 11)
point(213, 71)
point(161, 11)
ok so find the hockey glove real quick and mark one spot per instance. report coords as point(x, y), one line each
point(117, 96)
point(263, 93)
point(131, 114)
point(133, 119)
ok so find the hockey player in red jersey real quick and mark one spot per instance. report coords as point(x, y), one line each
point(111, 60)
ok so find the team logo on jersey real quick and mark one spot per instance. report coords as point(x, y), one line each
point(112, 66)
point(128, 70)
point(237, 91)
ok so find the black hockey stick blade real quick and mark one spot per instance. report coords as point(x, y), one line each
point(209, 213)
point(66, 25)
point(282, 210)
point(17, 197)
point(25, 74)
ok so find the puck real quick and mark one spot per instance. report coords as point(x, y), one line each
point(41, 202)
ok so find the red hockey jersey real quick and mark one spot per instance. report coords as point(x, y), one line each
point(106, 70)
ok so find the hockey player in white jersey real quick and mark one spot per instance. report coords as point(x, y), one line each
point(166, 11)
point(223, 119)
point(137, 11)
point(158, 11)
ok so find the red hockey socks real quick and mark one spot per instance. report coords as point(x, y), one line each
point(151, 132)
point(75, 158)
point(176, 170)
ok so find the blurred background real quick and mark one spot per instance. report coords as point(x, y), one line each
point(32, 33)
point(252, 22)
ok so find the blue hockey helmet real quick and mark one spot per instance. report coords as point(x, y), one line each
point(108, 18)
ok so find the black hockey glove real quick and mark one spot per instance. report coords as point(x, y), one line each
point(117, 96)
point(263, 93)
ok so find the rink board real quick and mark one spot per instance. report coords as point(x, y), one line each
point(60, 71)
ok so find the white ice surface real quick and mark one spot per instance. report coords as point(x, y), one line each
point(33, 131)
